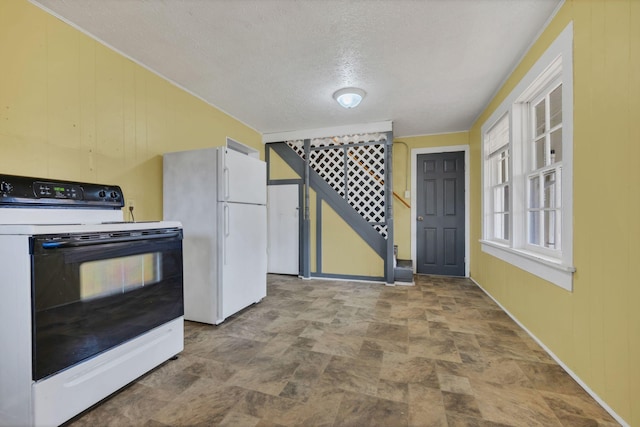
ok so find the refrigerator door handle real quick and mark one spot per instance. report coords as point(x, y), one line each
point(226, 220)
point(226, 232)
point(225, 172)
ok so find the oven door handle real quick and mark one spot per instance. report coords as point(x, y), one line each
point(101, 241)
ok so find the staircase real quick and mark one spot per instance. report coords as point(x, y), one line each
point(403, 271)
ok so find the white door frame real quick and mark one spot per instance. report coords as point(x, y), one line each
point(414, 163)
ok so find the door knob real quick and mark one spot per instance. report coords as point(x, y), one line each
point(420, 218)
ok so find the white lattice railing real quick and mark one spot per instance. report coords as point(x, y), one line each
point(354, 166)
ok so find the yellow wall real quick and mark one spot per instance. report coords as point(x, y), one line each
point(402, 213)
point(279, 169)
point(71, 108)
point(595, 330)
point(343, 251)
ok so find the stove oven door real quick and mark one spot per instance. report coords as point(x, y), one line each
point(93, 292)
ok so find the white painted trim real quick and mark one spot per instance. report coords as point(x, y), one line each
point(422, 135)
point(549, 269)
point(559, 361)
point(343, 279)
point(135, 61)
point(467, 180)
point(386, 126)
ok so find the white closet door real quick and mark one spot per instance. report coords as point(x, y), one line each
point(283, 229)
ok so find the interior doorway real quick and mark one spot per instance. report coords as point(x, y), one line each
point(283, 229)
point(439, 210)
point(440, 214)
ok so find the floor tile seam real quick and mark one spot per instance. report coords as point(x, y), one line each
point(458, 345)
point(607, 417)
point(237, 407)
point(320, 373)
point(488, 416)
point(376, 396)
point(512, 387)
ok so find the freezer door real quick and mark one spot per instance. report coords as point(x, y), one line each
point(244, 256)
point(242, 179)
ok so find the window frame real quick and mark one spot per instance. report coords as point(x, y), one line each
point(492, 156)
point(555, 66)
point(543, 87)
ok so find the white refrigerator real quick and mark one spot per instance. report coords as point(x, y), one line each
point(220, 197)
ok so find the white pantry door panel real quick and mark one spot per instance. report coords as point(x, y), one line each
point(244, 258)
point(284, 228)
point(244, 179)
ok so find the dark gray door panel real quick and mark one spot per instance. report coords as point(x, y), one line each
point(440, 214)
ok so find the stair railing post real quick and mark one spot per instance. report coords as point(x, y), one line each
point(388, 205)
point(306, 258)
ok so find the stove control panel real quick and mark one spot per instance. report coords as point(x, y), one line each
point(19, 191)
point(57, 190)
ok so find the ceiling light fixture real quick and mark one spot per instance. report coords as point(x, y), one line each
point(349, 97)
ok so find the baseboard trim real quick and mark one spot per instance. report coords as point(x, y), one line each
point(346, 278)
point(573, 375)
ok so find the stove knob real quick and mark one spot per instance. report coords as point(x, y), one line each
point(102, 193)
point(5, 187)
point(114, 195)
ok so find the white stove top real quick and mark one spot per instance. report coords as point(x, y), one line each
point(31, 221)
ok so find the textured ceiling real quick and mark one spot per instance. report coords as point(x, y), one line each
point(430, 66)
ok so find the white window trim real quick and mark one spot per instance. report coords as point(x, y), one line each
point(558, 271)
point(489, 202)
point(549, 77)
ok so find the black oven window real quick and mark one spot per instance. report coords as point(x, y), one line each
point(119, 275)
point(90, 298)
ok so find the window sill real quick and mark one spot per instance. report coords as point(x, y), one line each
point(549, 269)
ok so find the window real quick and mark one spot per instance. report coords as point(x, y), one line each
point(497, 154)
point(527, 170)
point(544, 177)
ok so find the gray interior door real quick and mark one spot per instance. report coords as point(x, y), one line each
point(440, 214)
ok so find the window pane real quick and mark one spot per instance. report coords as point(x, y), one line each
point(540, 119)
point(534, 228)
point(505, 232)
point(550, 229)
point(504, 168)
point(534, 192)
point(555, 107)
point(550, 189)
point(495, 170)
point(540, 150)
point(556, 146)
point(497, 173)
point(498, 226)
point(498, 201)
point(506, 198)
point(501, 226)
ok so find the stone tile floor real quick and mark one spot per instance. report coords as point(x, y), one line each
point(328, 353)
